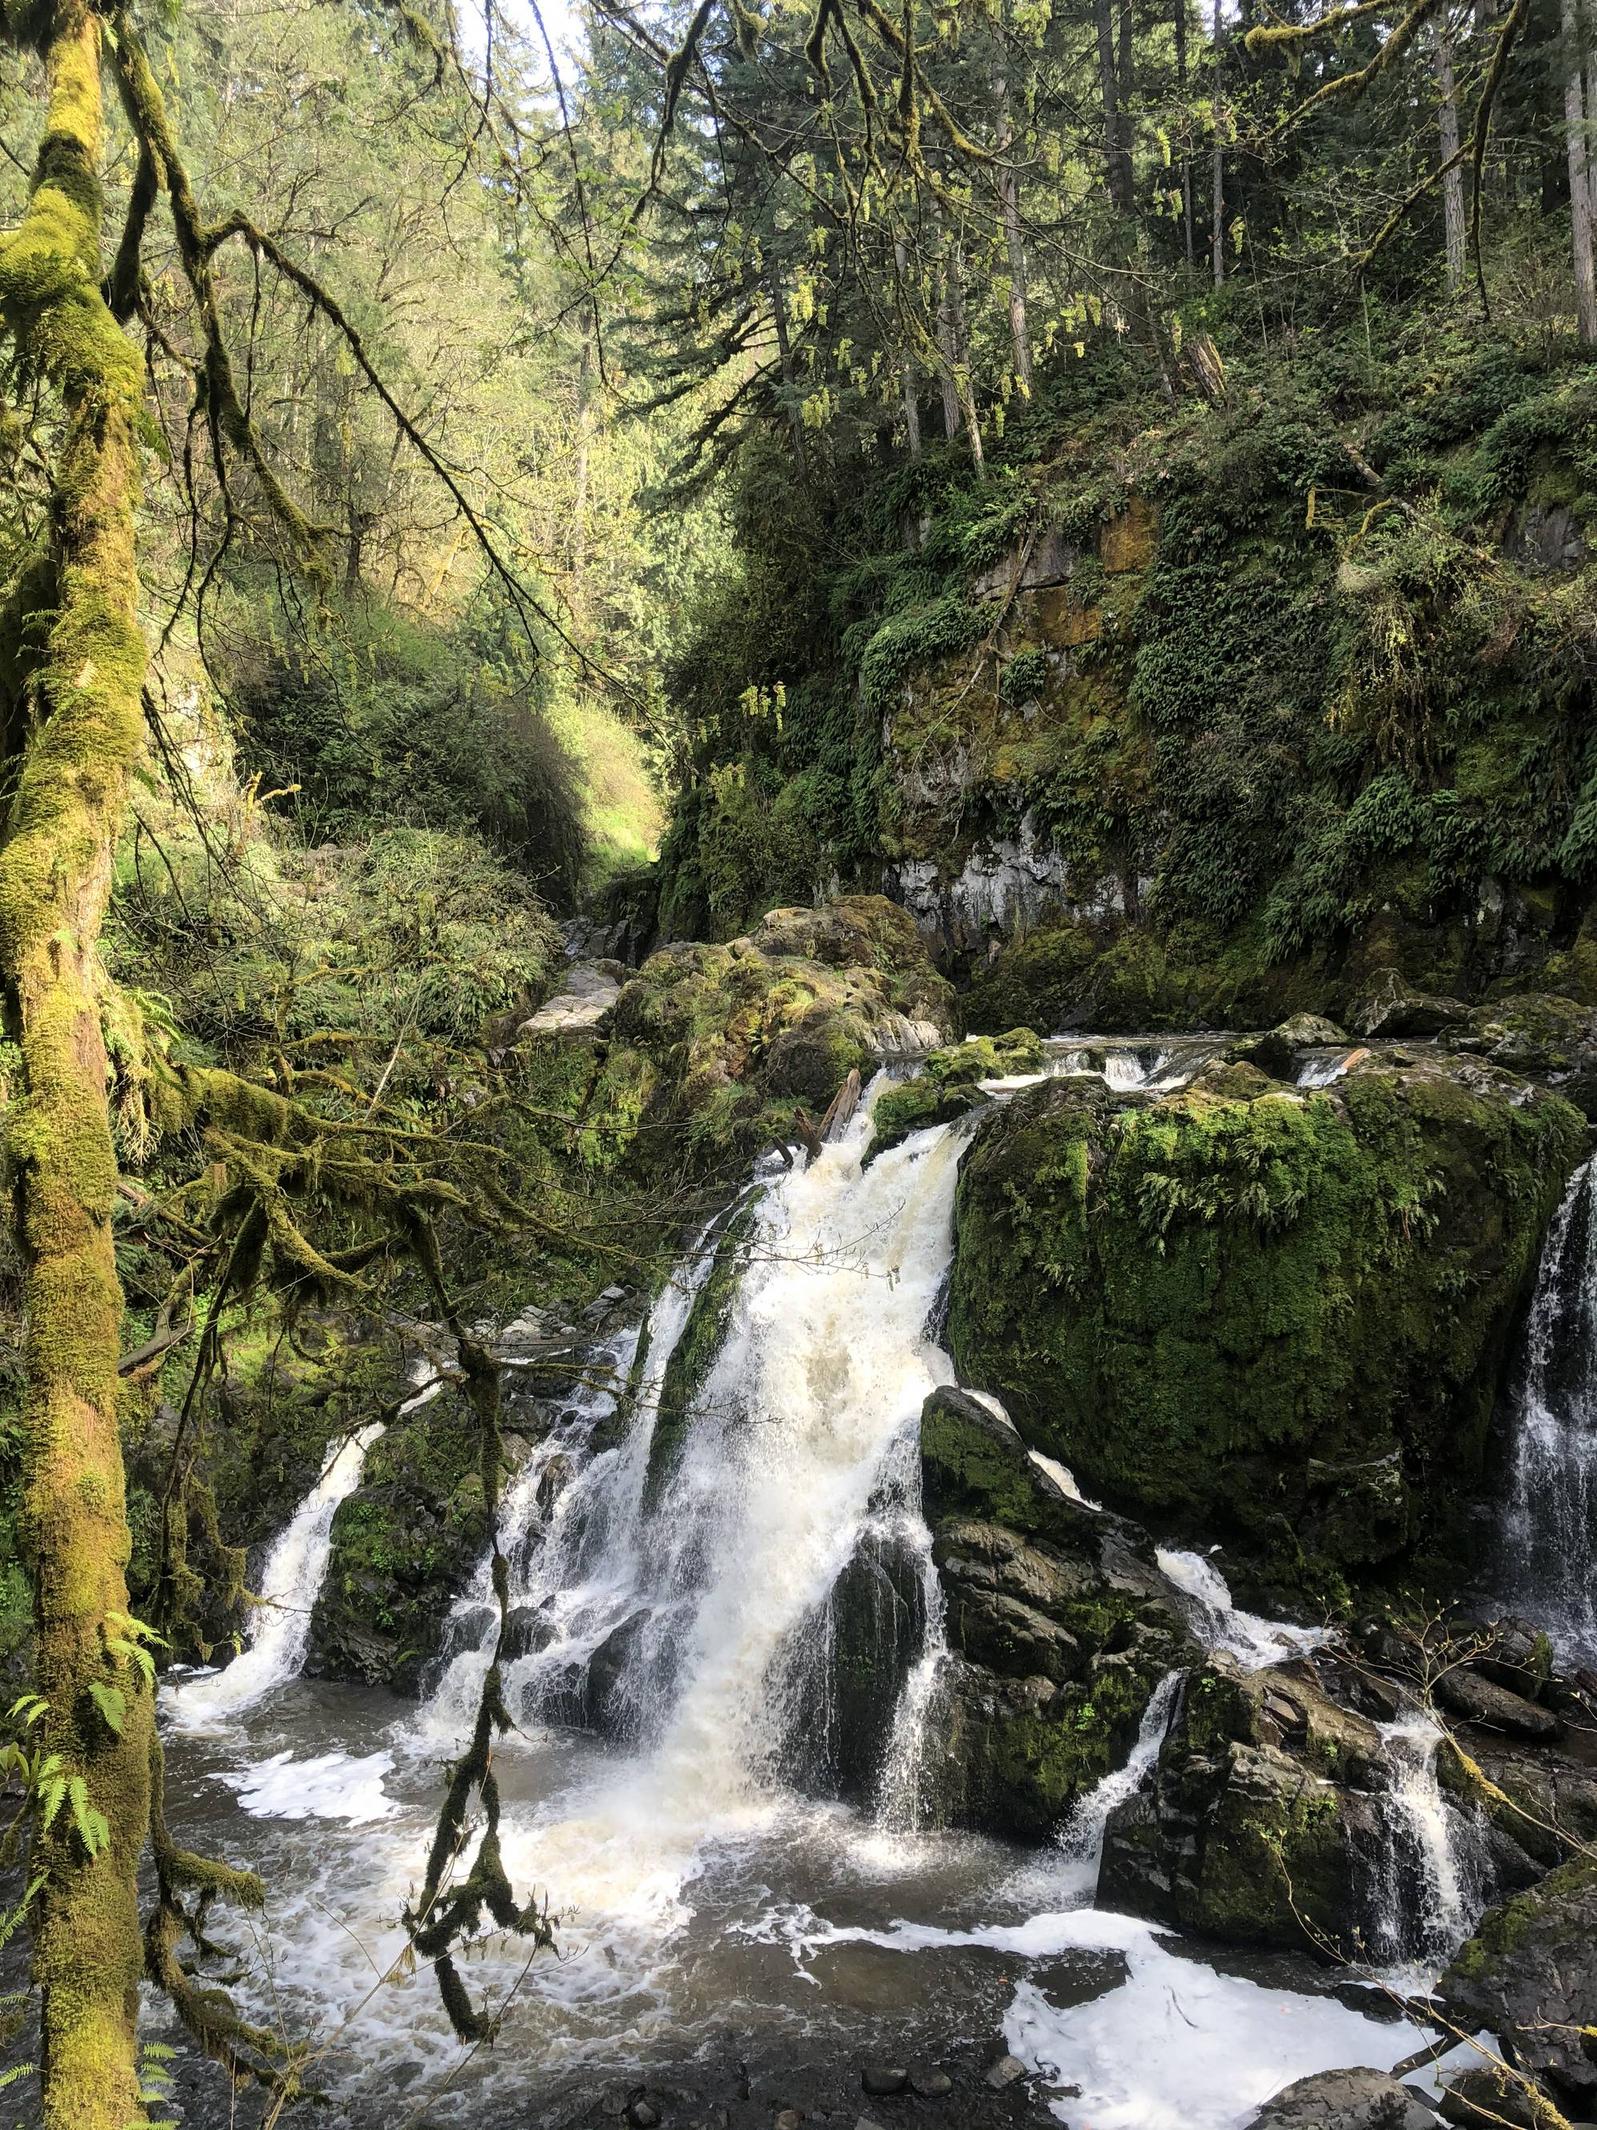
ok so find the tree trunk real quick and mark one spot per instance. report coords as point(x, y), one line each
point(1180, 24)
point(578, 549)
point(906, 368)
point(55, 870)
point(1116, 167)
point(948, 349)
point(1453, 217)
point(1580, 184)
point(1009, 198)
point(964, 383)
point(1219, 164)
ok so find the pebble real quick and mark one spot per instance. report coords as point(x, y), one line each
point(787, 2119)
point(881, 2079)
point(643, 2115)
point(1004, 2072)
point(931, 2085)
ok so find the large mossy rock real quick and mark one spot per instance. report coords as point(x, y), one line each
point(1246, 1312)
point(1529, 1975)
point(1060, 1624)
point(1262, 1821)
point(714, 1051)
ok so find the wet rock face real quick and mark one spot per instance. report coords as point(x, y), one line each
point(1529, 1974)
point(1271, 1316)
point(1346, 2100)
point(1059, 1622)
point(1262, 1823)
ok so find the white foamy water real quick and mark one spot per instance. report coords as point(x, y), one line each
point(333, 1785)
point(280, 1622)
point(1550, 1537)
point(1429, 1897)
point(1220, 1625)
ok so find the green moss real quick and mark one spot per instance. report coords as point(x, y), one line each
point(946, 1087)
point(1226, 1313)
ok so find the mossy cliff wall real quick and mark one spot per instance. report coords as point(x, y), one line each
point(1208, 716)
point(1255, 1314)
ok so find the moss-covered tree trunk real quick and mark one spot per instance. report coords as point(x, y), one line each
point(78, 742)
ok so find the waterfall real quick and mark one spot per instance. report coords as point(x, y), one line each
point(1550, 1539)
point(1427, 1898)
point(1221, 1625)
point(291, 1579)
point(678, 1596)
point(1081, 1837)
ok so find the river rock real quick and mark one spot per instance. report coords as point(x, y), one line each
point(1345, 2100)
point(1464, 1692)
point(1393, 1007)
point(1278, 1321)
point(849, 1668)
point(1059, 1623)
point(1262, 1821)
point(1277, 1051)
point(1529, 1975)
point(1542, 1035)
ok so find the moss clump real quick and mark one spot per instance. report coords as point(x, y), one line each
point(947, 1085)
point(1274, 1317)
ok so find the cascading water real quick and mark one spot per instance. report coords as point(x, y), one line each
point(1082, 1836)
point(1428, 1898)
point(1221, 1625)
point(1550, 1535)
point(698, 1587)
point(280, 1621)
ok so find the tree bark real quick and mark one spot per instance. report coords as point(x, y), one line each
point(55, 869)
point(1453, 215)
point(1179, 19)
point(1009, 199)
point(906, 368)
point(1218, 240)
point(961, 339)
point(1580, 175)
point(1117, 169)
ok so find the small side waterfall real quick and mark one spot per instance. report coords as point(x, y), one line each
point(1428, 1899)
point(1082, 1836)
point(1220, 1625)
point(1550, 1535)
point(291, 1579)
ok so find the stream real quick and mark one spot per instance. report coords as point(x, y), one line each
point(705, 1903)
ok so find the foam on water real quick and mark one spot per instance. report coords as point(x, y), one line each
point(325, 1786)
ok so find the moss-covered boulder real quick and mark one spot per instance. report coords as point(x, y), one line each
point(948, 1085)
point(1059, 1622)
point(1274, 1317)
point(1262, 1823)
point(715, 1052)
point(1548, 1038)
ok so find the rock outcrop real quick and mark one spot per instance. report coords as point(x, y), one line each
point(1346, 2100)
point(711, 1053)
point(1060, 1623)
point(1529, 1975)
point(1262, 1822)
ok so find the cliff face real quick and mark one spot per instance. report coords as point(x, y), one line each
point(1204, 722)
